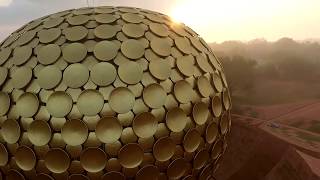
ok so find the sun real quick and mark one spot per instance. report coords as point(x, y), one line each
point(4, 3)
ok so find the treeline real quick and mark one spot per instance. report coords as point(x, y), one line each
point(250, 66)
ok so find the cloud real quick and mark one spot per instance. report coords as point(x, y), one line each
point(5, 3)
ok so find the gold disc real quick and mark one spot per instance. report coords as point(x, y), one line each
point(130, 155)
point(105, 31)
point(121, 100)
point(130, 72)
point(154, 95)
point(76, 33)
point(76, 75)
point(176, 119)
point(161, 46)
point(200, 113)
point(103, 74)
point(132, 49)
point(211, 132)
point(201, 159)
point(216, 106)
point(10, 131)
point(183, 44)
point(185, 65)
point(177, 168)
point(164, 149)
point(204, 86)
point(21, 55)
point(105, 46)
point(183, 91)
point(133, 30)
point(108, 130)
point(57, 160)
point(159, 29)
point(25, 158)
point(21, 77)
point(53, 22)
point(49, 54)
point(27, 104)
point(191, 140)
point(105, 18)
point(49, 77)
point(59, 104)
point(144, 125)
point(74, 52)
point(132, 18)
point(49, 35)
point(4, 103)
point(39, 133)
point(78, 20)
point(90, 102)
point(74, 132)
point(93, 159)
point(160, 69)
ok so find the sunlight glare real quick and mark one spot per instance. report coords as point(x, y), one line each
point(5, 3)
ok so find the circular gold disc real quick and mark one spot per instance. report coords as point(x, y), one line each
point(191, 140)
point(21, 54)
point(148, 172)
point(204, 86)
point(27, 104)
point(145, 125)
point(4, 55)
point(130, 72)
point(105, 31)
point(132, 18)
point(13, 174)
point(177, 168)
point(211, 132)
point(102, 47)
point(39, 133)
point(49, 77)
point(160, 69)
point(183, 91)
point(90, 102)
point(25, 158)
point(93, 159)
point(74, 132)
point(59, 104)
point(76, 75)
point(26, 37)
point(21, 77)
point(74, 52)
point(133, 30)
point(78, 20)
point(3, 155)
point(201, 159)
point(216, 106)
point(130, 155)
point(200, 113)
point(132, 49)
point(103, 74)
point(57, 160)
point(154, 95)
point(183, 44)
point(108, 130)
point(49, 35)
point(53, 22)
point(105, 18)
point(4, 103)
point(217, 82)
point(76, 33)
point(121, 100)
point(159, 29)
point(203, 63)
point(10, 131)
point(226, 100)
point(224, 122)
point(216, 149)
point(113, 175)
point(164, 149)
point(161, 46)
point(176, 119)
point(185, 65)
point(49, 54)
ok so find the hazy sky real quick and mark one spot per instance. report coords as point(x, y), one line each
point(215, 20)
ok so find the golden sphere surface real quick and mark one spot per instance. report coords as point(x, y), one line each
point(111, 93)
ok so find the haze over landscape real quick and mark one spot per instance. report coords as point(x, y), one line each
point(215, 20)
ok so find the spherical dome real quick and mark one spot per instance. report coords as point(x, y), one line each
point(110, 92)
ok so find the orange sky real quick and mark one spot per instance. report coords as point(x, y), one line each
point(215, 20)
